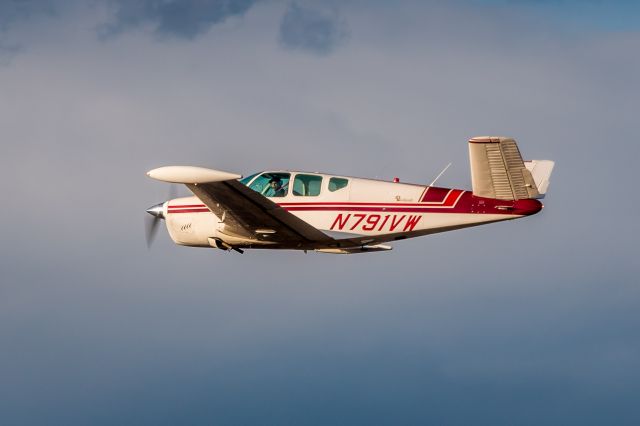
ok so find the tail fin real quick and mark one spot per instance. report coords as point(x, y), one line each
point(497, 170)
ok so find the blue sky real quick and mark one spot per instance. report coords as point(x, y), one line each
point(528, 322)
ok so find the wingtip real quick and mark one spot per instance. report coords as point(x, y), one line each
point(190, 175)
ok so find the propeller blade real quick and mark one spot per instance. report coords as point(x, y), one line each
point(157, 213)
point(151, 229)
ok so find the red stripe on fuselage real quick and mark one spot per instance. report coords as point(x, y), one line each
point(457, 201)
point(449, 201)
point(205, 210)
point(434, 195)
point(367, 209)
point(453, 197)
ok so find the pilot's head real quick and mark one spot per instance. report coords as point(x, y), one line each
point(275, 183)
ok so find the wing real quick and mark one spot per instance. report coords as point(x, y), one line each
point(244, 212)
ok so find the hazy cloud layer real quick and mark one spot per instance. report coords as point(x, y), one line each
point(177, 18)
point(310, 26)
point(528, 322)
point(307, 27)
point(16, 10)
point(7, 52)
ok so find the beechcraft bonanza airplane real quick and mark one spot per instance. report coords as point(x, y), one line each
point(340, 214)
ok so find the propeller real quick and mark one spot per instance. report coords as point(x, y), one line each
point(157, 213)
point(151, 222)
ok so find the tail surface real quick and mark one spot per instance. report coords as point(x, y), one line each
point(498, 171)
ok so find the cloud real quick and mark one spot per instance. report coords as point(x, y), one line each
point(7, 52)
point(16, 10)
point(312, 29)
point(183, 19)
point(533, 321)
point(13, 12)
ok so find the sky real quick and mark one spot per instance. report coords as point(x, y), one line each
point(527, 322)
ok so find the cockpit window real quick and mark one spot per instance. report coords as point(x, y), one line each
point(337, 183)
point(272, 184)
point(245, 181)
point(307, 185)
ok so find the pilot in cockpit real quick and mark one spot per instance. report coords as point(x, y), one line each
point(276, 190)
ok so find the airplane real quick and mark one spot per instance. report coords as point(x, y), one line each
point(338, 214)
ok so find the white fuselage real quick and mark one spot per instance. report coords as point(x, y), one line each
point(370, 211)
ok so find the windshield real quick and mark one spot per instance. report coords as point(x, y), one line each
point(271, 184)
point(245, 181)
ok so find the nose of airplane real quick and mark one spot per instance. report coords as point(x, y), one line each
point(157, 211)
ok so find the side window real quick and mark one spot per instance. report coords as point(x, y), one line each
point(337, 183)
point(307, 185)
point(271, 184)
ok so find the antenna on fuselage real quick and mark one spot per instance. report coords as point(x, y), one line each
point(441, 173)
